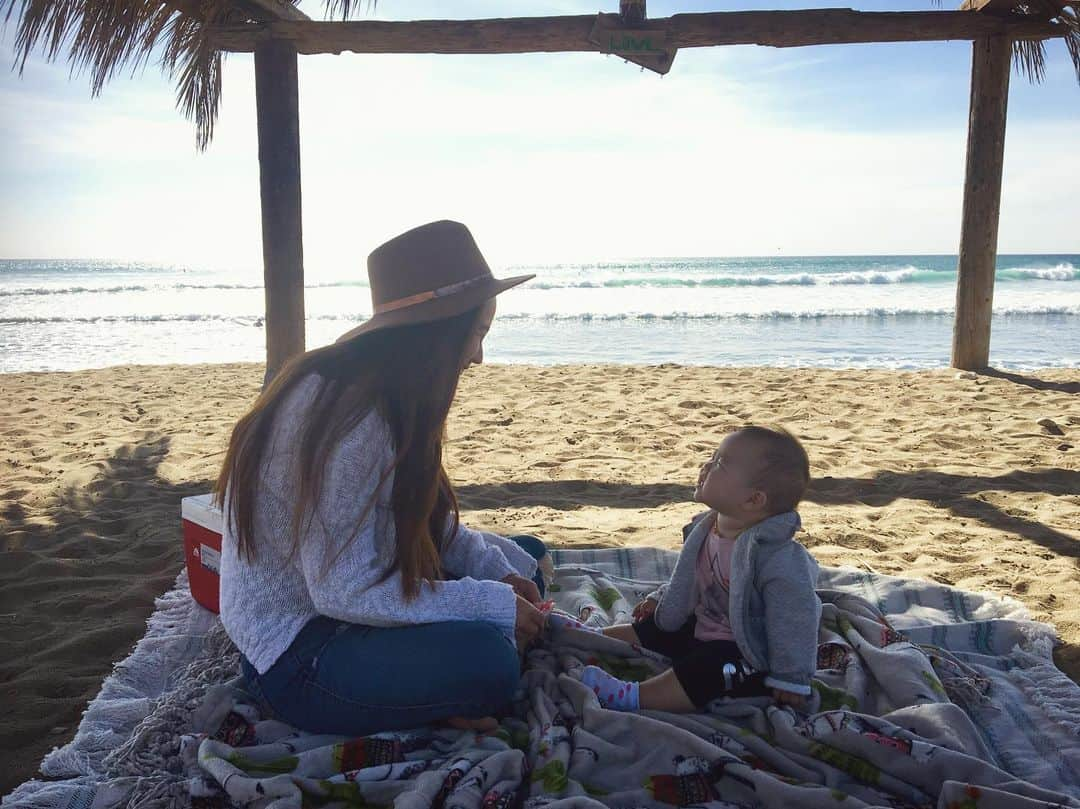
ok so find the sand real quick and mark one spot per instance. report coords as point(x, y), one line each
point(917, 474)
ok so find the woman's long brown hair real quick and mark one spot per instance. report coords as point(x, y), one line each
point(408, 374)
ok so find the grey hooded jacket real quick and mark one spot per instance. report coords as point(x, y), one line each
point(773, 608)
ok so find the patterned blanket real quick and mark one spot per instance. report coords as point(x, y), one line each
point(924, 696)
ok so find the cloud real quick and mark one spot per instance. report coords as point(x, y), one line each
point(547, 157)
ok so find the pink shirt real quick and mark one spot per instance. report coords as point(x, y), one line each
point(713, 578)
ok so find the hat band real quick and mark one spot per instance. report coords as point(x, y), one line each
point(420, 297)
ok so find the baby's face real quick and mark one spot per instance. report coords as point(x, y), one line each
point(725, 481)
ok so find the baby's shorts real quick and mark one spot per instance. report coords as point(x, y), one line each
point(699, 664)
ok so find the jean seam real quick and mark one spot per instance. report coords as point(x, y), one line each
point(339, 627)
point(310, 662)
point(365, 706)
point(262, 696)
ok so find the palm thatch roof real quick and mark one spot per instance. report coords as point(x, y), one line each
point(1030, 56)
point(103, 37)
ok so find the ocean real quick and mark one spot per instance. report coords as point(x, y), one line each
point(833, 312)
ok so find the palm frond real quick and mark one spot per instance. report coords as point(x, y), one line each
point(101, 37)
point(1029, 56)
point(198, 88)
point(347, 9)
point(1069, 16)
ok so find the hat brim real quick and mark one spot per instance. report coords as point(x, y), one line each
point(436, 308)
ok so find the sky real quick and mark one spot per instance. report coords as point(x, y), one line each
point(743, 150)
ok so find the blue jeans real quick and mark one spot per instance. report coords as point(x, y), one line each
point(355, 680)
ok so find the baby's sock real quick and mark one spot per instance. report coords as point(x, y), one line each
point(563, 621)
point(613, 693)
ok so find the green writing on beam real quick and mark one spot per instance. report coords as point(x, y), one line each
point(629, 44)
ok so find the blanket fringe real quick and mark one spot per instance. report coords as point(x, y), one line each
point(160, 792)
point(155, 743)
point(76, 793)
point(1050, 689)
point(127, 694)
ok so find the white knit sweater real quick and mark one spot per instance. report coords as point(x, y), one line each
point(267, 601)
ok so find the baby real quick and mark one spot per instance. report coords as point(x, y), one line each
point(739, 616)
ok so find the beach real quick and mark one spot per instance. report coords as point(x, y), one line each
point(969, 480)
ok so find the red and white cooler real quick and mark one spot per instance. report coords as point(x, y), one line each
point(201, 523)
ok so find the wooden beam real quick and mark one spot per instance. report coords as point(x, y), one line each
point(259, 10)
point(1044, 10)
point(993, 6)
point(982, 202)
point(273, 10)
point(278, 119)
point(781, 29)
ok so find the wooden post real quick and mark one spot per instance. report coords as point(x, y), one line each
point(632, 12)
point(277, 110)
point(990, 65)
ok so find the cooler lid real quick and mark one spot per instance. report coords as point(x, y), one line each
point(198, 509)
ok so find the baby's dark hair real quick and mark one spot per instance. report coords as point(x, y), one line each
point(784, 473)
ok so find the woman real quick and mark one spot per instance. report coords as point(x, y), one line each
point(357, 600)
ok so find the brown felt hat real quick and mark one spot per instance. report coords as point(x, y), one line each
point(428, 273)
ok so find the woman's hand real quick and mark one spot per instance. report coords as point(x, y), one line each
point(788, 698)
point(528, 623)
point(644, 609)
point(526, 588)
